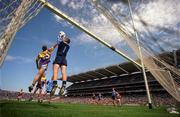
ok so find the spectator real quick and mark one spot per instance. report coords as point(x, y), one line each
point(20, 95)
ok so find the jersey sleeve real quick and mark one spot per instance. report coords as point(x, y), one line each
point(41, 55)
point(51, 49)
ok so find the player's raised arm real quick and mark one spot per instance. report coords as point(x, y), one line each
point(61, 36)
point(53, 47)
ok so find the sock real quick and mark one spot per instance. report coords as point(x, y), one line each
point(55, 82)
point(64, 84)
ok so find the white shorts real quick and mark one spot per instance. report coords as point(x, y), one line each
point(19, 97)
point(44, 67)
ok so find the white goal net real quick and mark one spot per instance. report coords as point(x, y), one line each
point(13, 15)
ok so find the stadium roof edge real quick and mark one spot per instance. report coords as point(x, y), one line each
point(105, 72)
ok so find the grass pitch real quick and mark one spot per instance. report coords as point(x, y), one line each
point(34, 109)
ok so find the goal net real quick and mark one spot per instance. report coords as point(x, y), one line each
point(157, 25)
point(153, 38)
point(13, 15)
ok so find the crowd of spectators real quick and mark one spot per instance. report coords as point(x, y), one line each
point(12, 95)
point(159, 98)
point(134, 99)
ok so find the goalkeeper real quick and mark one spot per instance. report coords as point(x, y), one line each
point(42, 61)
point(60, 62)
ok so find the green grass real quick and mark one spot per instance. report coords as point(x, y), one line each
point(33, 109)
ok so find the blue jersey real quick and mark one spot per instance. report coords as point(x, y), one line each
point(62, 49)
point(49, 85)
point(114, 93)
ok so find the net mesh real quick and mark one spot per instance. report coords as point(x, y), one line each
point(157, 25)
point(164, 72)
point(14, 14)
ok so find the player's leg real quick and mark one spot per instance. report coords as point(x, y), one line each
point(54, 78)
point(118, 102)
point(34, 94)
point(64, 79)
point(45, 96)
point(45, 93)
point(39, 95)
point(18, 98)
point(41, 88)
point(37, 77)
point(114, 100)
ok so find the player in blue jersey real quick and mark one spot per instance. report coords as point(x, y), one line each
point(49, 86)
point(60, 62)
point(113, 96)
point(116, 97)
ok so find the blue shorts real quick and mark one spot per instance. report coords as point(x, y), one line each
point(113, 97)
point(60, 61)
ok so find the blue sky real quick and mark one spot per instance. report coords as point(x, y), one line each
point(19, 68)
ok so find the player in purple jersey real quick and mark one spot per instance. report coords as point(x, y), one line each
point(42, 61)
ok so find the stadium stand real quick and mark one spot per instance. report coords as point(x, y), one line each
point(126, 78)
point(12, 95)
